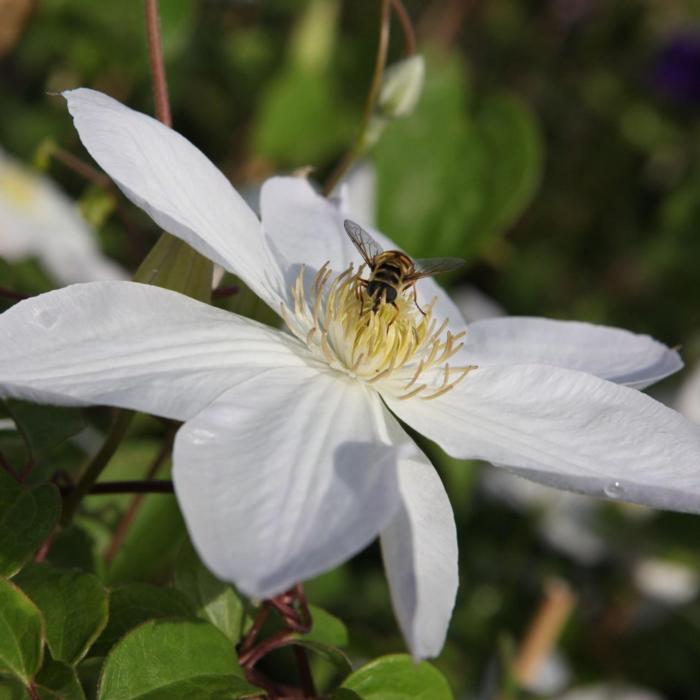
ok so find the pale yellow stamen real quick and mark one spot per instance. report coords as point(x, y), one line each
point(392, 345)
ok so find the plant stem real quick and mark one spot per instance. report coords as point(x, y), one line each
point(409, 34)
point(224, 292)
point(136, 486)
point(357, 149)
point(94, 468)
point(296, 619)
point(307, 680)
point(9, 294)
point(78, 165)
point(155, 52)
point(5, 464)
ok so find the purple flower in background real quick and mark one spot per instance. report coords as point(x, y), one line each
point(676, 69)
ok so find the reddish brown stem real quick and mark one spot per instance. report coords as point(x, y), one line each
point(254, 631)
point(154, 486)
point(303, 605)
point(356, 149)
point(85, 170)
point(5, 464)
point(155, 52)
point(9, 294)
point(307, 680)
point(43, 551)
point(78, 165)
point(276, 641)
point(296, 617)
point(409, 34)
point(223, 292)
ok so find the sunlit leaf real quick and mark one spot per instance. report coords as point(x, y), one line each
point(172, 264)
point(214, 600)
point(21, 633)
point(174, 660)
point(397, 677)
point(326, 628)
point(135, 603)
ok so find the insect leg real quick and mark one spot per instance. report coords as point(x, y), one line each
point(415, 299)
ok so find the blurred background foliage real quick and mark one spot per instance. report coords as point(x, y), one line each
point(554, 147)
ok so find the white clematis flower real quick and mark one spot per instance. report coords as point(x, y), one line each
point(291, 458)
point(38, 220)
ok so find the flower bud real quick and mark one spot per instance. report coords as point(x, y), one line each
point(402, 84)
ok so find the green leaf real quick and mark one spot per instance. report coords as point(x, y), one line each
point(213, 599)
point(58, 681)
point(21, 633)
point(27, 518)
point(397, 677)
point(300, 119)
point(12, 689)
point(455, 175)
point(173, 660)
point(177, 22)
point(326, 635)
point(330, 654)
point(135, 603)
point(74, 548)
point(172, 264)
point(345, 694)
point(326, 629)
point(44, 427)
point(514, 145)
point(74, 605)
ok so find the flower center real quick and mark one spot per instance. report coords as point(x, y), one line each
point(394, 346)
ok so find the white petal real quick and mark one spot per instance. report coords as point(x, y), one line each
point(610, 353)
point(177, 185)
point(420, 553)
point(303, 227)
point(474, 305)
point(566, 429)
point(134, 346)
point(38, 220)
point(358, 194)
point(285, 477)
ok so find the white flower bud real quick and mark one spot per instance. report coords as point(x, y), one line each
point(402, 85)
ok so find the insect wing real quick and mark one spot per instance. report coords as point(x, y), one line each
point(368, 247)
point(426, 267)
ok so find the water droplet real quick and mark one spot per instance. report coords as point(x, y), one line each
point(614, 489)
point(46, 318)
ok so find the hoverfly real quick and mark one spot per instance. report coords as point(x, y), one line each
point(391, 271)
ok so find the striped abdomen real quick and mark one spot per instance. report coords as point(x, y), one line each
point(388, 276)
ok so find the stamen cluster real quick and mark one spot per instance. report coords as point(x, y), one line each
point(395, 347)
